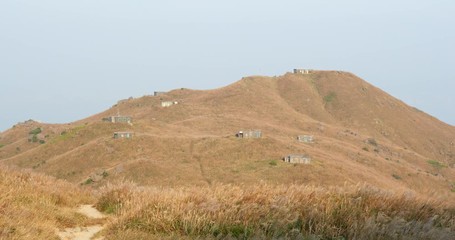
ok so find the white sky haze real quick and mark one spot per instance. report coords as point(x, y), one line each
point(61, 61)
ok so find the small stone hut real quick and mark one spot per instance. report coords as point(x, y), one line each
point(118, 135)
point(118, 119)
point(298, 158)
point(249, 134)
point(305, 138)
point(168, 103)
point(302, 71)
point(158, 93)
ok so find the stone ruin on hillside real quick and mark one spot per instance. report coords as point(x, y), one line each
point(118, 135)
point(298, 158)
point(302, 71)
point(249, 134)
point(305, 138)
point(168, 103)
point(118, 119)
point(158, 93)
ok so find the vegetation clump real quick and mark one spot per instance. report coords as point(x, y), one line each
point(89, 181)
point(273, 163)
point(396, 176)
point(34, 136)
point(272, 212)
point(330, 97)
point(372, 141)
point(436, 164)
point(35, 131)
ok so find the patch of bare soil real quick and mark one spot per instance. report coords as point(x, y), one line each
point(83, 233)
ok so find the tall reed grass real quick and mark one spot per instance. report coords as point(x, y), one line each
point(272, 212)
point(33, 206)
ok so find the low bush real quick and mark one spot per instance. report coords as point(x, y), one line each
point(397, 177)
point(35, 131)
point(436, 164)
point(372, 141)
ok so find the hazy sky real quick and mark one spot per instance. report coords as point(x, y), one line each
point(63, 60)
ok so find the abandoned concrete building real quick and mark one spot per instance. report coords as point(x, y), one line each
point(118, 119)
point(298, 158)
point(158, 93)
point(118, 135)
point(302, 71)
point(168, 103)
point(249, 134)
point(305, 138)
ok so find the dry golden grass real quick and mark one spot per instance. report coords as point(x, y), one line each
point(269, 212)
point(33, 205)
point(192, 143)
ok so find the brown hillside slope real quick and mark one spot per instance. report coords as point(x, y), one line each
point(193, 142)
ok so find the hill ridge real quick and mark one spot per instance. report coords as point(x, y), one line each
point(362, 134)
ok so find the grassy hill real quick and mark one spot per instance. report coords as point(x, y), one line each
point(362, 135)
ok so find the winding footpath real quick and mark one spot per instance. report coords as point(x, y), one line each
point(84, 233)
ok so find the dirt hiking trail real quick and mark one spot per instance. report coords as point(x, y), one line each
point(84, 233)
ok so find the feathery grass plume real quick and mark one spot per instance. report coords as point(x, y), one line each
point(32, 205)
point(266, 211)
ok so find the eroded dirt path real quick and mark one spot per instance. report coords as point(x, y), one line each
point(90, 211)
point(83, 233)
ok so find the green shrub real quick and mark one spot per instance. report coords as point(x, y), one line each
point(2, 145)
point(42, 141)
point(35, 131)
point(372, 141)
point(365, 149)
point(397, 177)
point(436, 164)
point(273, 163)
point(89, 181)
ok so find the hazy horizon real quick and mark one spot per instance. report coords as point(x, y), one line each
point(64, 61)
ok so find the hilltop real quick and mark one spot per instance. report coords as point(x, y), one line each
point(362, 134)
